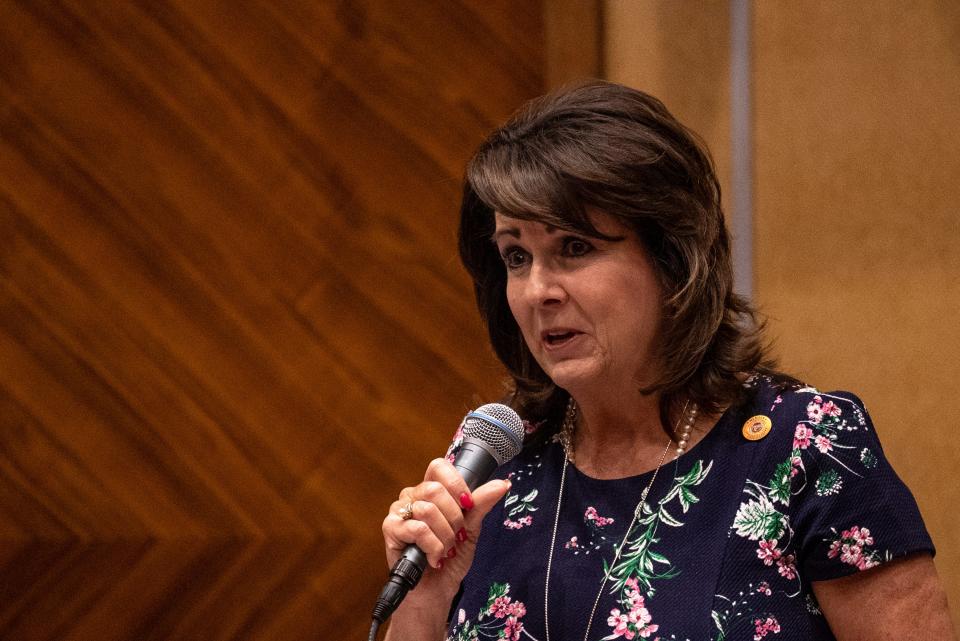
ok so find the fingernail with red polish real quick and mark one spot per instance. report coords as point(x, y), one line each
point(466, 501)
point(452, 553)
point(462, 535)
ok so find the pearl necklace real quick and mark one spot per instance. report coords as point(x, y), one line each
point(566, 441)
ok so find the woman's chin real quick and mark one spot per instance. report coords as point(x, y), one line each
point(573, 375)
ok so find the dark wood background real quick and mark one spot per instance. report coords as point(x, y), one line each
point(232, 319)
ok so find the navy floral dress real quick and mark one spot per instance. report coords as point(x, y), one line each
point(731, 536)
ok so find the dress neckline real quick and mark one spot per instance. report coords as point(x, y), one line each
point(718, 428)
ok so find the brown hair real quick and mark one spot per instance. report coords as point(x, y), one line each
point(607, 147)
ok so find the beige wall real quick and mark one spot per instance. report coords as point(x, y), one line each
point(857, 255)
point(856, 185)
point(679, 52)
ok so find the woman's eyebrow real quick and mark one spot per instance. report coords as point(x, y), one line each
point(515, 232)
point(505, 231)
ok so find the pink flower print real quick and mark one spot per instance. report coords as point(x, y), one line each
point(456, 442)
point(520, 523)
point(500, 608)
point(571, 544)
point(851, 554)
point(633, 623)
point(591, 515)
point(860, 535)
point(834, 549)
point(853, 548)
point(517, 609)
point(815, 410)
point(640, 617)
point(786, 567)
point(801, 437)
point(830, 409)
point(620, 624)
point(823, 444)
point(796, 464)
point(764, 627)
point(641, 620)
point(632, 584)
point(768, 552)
point(512, 629)
point(764, 588)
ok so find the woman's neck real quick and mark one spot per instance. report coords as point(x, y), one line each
point(625, 438)
point(619, 437)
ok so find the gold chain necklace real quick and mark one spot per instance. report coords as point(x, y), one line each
point(566, 441)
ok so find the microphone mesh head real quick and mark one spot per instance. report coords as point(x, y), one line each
point(499, 427)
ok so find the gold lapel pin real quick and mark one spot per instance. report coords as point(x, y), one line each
point(756, 427)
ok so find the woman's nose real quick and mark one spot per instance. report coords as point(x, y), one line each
point(544, 287)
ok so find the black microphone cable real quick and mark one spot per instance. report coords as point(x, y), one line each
point(373, 629)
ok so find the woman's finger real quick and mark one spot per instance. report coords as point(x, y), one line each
point(437, 521)
point(399, 532)
point(443, 471)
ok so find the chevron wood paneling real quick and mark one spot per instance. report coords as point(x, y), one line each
point(232, 321)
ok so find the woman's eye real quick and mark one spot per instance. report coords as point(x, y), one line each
point(514, 257)
point(576, 247)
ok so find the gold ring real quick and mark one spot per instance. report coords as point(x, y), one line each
point(406, 512)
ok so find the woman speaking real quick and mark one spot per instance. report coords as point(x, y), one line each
point(672, 484)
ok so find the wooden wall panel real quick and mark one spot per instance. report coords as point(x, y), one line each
point(573, 40)
point(232, 321)
point(857, 226)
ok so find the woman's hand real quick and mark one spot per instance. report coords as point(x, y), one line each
point(445, 522)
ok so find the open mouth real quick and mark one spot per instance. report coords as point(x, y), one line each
point(559, 337)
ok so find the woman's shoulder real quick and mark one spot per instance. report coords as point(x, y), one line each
point(795, 431)
point(820, 479)
point(788, 403)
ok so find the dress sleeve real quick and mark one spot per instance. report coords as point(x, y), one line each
point(849, 510)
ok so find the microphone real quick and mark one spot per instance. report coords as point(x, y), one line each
point(492, 435)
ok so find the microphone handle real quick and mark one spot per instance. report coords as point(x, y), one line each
point(476, 465)
point(475, 462)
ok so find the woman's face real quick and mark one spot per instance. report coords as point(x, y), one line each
point(589, 309)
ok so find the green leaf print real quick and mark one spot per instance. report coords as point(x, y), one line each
point(666, 519)
point(687, 499)
point(780, 483)
point(830, 482)
point(496, 590)
point(639, 561)
point(759, 519)
point(519, 506)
